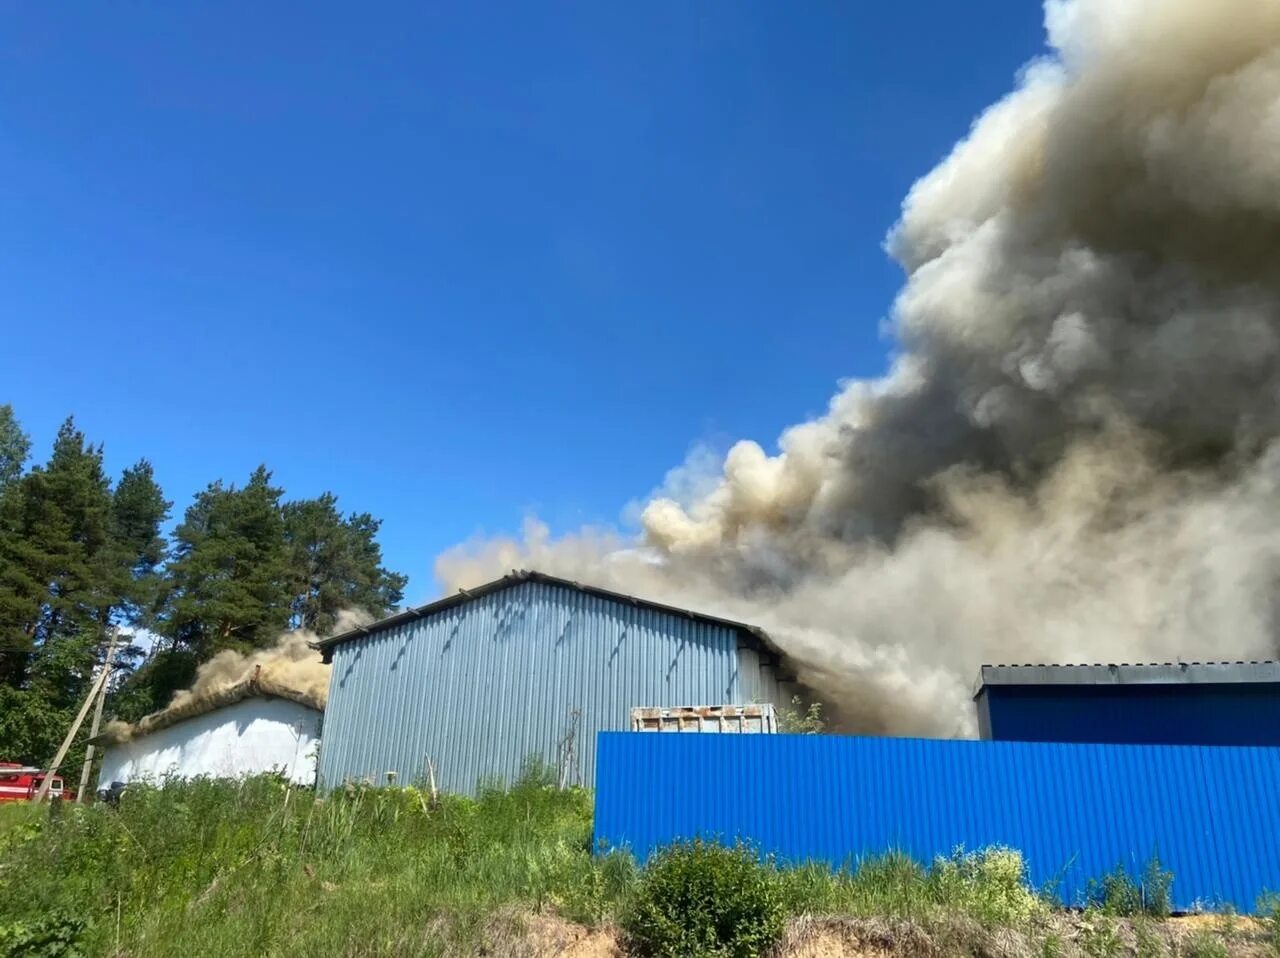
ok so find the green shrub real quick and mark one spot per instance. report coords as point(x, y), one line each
point(1269, 918)
point(1157, 900)
point(702, 900)
point(989, 885)
point(1097, 935)
point(797, 720)
point(1117, 894)
point(53, 936)
point(1051, 946)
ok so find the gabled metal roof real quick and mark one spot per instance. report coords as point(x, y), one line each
point(754, 636)
point(1125, 673)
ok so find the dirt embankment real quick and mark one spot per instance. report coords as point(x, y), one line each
point(1062, 936)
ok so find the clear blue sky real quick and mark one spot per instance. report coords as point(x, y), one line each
point(459, 262)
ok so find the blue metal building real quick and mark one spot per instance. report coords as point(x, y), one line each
point(527, 665)
point(1186, 703)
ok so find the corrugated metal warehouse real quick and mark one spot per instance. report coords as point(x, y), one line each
point(1184, 703)
point(527, 665)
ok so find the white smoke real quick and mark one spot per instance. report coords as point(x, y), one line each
point(1074, 456)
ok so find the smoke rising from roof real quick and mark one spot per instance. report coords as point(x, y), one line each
point(1074, 455)
point(290, 663)
point(290, 669)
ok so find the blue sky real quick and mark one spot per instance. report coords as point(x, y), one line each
point(461, 263)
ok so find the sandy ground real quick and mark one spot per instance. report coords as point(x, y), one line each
point(1072, 935)
point(553, 937)
point(548, 936)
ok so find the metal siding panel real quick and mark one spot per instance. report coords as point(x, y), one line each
point(768, 680)
point(480, 686)
point(1247, 713)
point(1076, 811)
point(757, 679)
point(748, 674)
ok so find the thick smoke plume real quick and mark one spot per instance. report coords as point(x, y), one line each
point(1074, 455)
point(289, 669)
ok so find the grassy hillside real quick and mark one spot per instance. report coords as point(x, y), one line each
point(258, 868)
point(216, 868)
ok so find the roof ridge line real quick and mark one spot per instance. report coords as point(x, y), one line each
point(517, 576)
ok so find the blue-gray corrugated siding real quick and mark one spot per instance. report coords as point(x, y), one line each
point(481, 686)
point(1210, 814)
point(1242, 713)
point(759, 681)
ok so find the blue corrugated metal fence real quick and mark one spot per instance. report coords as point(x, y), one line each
point(1211, 815)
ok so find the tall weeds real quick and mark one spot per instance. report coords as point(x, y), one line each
point(221, 868)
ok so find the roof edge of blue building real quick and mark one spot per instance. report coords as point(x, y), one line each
point(1126, 673)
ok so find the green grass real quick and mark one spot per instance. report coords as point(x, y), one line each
point(988, 887)
point(216, 868)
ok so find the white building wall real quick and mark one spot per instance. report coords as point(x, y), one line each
point(250, 737)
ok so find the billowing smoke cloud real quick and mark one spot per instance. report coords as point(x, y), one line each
point(290, 669)
point(1074, 456)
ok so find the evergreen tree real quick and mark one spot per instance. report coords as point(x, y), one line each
point(22, 585)
point(27, 720)
point(15, 446)
point(76, 556)
point(151, 686)
point(58, 590)
point(132, 570)
point(138, 509)
point(56, 529)
point(336, 564)
point(79, 555)
point(229, 577)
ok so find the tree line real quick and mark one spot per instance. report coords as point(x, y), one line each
point(82, 553)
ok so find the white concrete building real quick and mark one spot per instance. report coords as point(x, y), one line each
point(249, 728)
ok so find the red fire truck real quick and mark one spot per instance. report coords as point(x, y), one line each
point(19, 783)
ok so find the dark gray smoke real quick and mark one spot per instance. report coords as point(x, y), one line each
point(1073, 457)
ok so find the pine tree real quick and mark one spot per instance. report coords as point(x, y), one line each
point(15, 446)
point(336, 564)
point(138, 509)
point(54, 531)
point(131, 569)
point(150, 687)
point(79, 555)
point(22, 584)
point(76, 556)
point(58, 590)
point(228, 582)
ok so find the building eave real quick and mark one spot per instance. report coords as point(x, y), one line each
point(1125, 673)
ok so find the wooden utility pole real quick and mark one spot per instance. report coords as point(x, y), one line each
point(97, 718)
point(98, 684)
